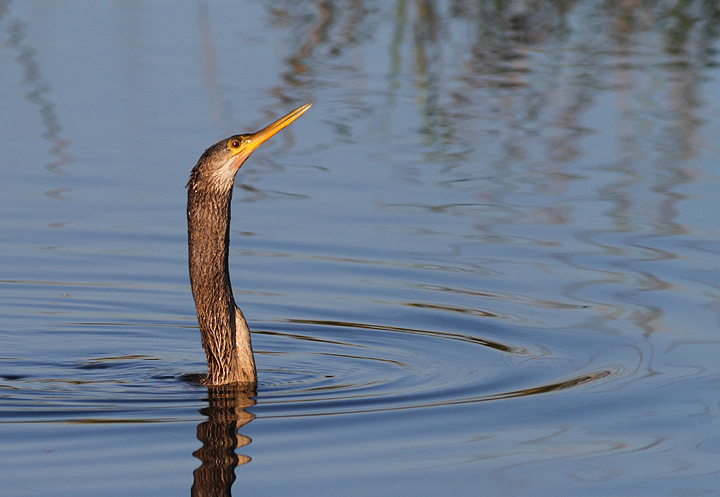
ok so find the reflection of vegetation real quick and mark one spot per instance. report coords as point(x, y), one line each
point(511, 90)
point(39, 95)
point(461, 46)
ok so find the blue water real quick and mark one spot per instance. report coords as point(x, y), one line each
point(484, 263)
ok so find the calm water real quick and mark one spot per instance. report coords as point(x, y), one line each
point(486, 262)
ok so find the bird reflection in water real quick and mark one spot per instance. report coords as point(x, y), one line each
point(219, 435)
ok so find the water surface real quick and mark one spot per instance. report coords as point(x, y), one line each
point(484, 263)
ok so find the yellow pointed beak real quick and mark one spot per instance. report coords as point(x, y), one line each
point(253, 141)
point(257, 138)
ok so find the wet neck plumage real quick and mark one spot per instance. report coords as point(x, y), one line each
point(223, 329)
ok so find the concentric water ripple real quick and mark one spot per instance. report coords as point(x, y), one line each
point(306, 368)
point(367, 368)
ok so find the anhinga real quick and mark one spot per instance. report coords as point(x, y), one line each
point(224, 331)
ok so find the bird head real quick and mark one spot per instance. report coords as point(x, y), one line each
point(219, 164)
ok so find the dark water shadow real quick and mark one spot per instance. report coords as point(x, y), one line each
point(219, 435)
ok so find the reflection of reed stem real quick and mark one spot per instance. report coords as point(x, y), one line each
point(395, 44)
point(221, 108)
point(37, 97)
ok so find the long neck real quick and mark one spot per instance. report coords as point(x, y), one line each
point(223, 329)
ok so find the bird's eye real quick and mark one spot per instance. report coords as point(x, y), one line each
point(235, 143)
